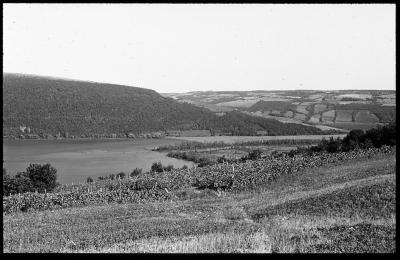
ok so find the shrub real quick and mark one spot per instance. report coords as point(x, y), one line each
point(136, 172)
point(333, 146)
point(121, 175)
point(157, 167)
point(254, 155)
point(43, 177)
point(18, 184)
point(205, 162)
point(168, 168)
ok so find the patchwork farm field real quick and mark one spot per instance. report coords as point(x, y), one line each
point(368, 107)
point(354, 125)
point(317, 210)
point(344, 116)
point(366, 117)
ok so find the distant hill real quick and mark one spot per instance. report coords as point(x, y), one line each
point(343, 109)
point(51, 105)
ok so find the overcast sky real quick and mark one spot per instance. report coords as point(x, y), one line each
point(180, 48)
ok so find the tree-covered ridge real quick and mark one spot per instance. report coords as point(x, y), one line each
point(51, 106)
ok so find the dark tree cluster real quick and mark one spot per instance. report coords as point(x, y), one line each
point(357, 139)
point(37, 177)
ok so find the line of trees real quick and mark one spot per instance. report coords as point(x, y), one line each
point(193, 145)
point(357, 139)
point(155, 167)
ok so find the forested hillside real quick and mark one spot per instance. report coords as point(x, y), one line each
point(50, 106)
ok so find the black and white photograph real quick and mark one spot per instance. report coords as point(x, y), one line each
point(159, 128)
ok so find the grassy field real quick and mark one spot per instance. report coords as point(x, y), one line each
point(349, 207)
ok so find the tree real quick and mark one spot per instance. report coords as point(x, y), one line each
point(333, 145)
point(136, 172)
point(18, 184)
point(157, 167)
point(43, 177)
point(368, 143)
point(89, 180)
point(205, 162)
point(353, 139)
point(121, 175)
point(254, 155)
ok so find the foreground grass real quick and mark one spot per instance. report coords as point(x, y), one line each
point(344, 208)
point(257, 242)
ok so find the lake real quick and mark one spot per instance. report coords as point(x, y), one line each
point(75, 160)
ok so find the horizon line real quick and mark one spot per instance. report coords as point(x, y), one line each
point(191, 91)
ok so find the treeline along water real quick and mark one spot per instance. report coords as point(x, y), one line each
point(75, 160)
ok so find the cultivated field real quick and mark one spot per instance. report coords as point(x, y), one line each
point(366, 117)
point(344, 116)
point(306, 106)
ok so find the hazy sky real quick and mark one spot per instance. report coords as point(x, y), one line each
point(180, 48)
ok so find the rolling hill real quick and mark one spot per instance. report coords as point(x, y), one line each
point(340, 109)
point(49, 106)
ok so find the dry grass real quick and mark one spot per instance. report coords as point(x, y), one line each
point(307, 234)
point(211, 243)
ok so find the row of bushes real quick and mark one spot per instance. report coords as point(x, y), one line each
point(154, 186)
point(155, 167)
point(193, 145)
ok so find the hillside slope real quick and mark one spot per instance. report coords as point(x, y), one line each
point(318, 210)
point(51, 105)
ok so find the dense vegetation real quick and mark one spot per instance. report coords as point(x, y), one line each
point(38, 178)
point(194, 145)
point(52, 106)
point(155, 186)
point(355, 139)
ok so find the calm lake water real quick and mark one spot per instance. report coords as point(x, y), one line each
point(75, 160)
